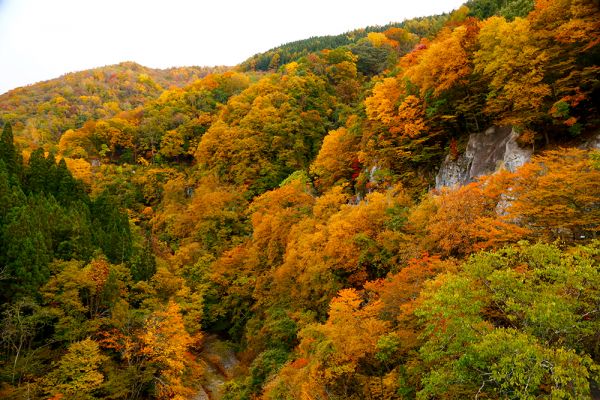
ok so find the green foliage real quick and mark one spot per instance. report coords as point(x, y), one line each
point(514, 364)
point(110, 228)
point(296, 176)
point(54, 221)
point(511, 9)
point(8, 152)
point(143, 261)
point(513, 321)
point(518, 8)
point(372, 59)
point(265, 364)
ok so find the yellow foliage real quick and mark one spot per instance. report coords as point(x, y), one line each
point(378, 39)
point(512, 60)
point(335, 159)
point(80, 168)
point(382, 104)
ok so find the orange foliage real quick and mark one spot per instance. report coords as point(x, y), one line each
point(410, 120)
point(335, 159)
point(445, 63)
point(76, 143)
point(273, 215)
point(468, 218)
point(557, 195)
point(98, 273)
point(165, 343)
point(554, 196)
point(342, 246)
point(348, 321)
point(381, 105)
point(453, 229)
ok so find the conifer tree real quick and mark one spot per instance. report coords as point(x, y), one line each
point(38, 173)
point(8, 153)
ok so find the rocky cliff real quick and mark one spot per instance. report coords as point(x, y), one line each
point(486, 152)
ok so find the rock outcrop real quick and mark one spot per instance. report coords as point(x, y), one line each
point(486, 152)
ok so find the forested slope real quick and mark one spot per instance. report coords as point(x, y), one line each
point(290, 211)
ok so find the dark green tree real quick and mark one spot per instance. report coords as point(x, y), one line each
point(39, 173)
point(143, 263)
point(110, 229)
point(373, 60)
point(27, 249)
point(67, 189)
point(8, 152)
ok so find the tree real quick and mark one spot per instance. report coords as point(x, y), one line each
point(507, 322)
point(515, 364)
point(401, 39)
point(27, 247)
point(556, 195)
point(354, 244)
point(165, 344)
point(337, 159)
point(383, 102)
point(445, 63)
point(171, 145)
point(111, 228)
point(143, 261)
point(8, 152)
point(76, 375)
point(331, 356)
point(39, 175)
point(454, 228)
point(514, 64)
point(21, 321)
point(77, 143)
point(373, 59)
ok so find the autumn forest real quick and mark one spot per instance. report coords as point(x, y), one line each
point(320, 222)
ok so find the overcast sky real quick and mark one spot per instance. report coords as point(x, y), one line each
point(43, 39)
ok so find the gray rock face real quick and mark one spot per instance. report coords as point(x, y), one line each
point(454, 172)
point(592, 143)
point(486, 152)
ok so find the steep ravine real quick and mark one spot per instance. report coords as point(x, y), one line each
point(220, 363)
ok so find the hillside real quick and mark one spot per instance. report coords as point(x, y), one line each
point(406, 33)
point(391, 213)
point(47, 109)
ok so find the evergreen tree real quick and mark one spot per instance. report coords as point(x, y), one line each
point(8, 153)
point(27, 251)
point(5, 193)
point(51, 174)
point(110, 229)
point(143, 263)
point(39, 173)
point(67, 189)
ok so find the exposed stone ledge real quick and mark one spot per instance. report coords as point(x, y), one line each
point(486, 153)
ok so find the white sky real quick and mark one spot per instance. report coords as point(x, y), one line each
point(43, 39)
